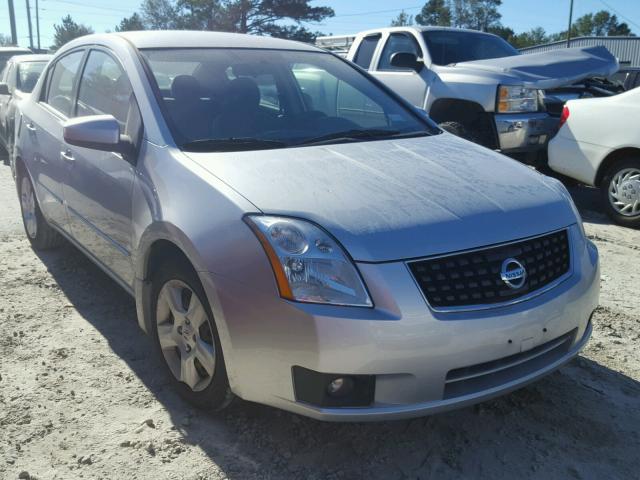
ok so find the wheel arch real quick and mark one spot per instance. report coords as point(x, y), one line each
point(160, 242)
point(611, 158)
point(455, 109)
point(470, 114)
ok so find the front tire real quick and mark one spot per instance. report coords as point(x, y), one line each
point(620, 190)
point(41, 235)
point(186, 339)
point(460, 130)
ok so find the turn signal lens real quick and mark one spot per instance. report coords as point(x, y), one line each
point(517, 99)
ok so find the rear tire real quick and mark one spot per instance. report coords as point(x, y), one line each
point(620, 189)
point(186, 339)
point(41, 235)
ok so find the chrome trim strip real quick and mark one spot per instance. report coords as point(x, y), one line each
point(490, 306)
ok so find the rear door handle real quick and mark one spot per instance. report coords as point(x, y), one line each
point(30, 126)
point(67, 156)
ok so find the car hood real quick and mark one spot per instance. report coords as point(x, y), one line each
point(398, 199)
point(552, 69)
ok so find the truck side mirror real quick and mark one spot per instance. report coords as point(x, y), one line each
point(406, 60)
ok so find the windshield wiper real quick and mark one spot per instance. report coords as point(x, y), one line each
point(360, 134)
point(231, 144)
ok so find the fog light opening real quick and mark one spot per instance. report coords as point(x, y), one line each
point(340, 387)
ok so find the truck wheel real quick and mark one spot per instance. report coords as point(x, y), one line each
point(620, 189)
point(186, 338)
point(459, 130)
point(41, 235)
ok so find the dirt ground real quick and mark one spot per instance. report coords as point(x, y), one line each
point(81, 395)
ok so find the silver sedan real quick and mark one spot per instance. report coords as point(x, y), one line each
point(296, 234)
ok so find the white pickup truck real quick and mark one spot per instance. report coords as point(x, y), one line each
point(477, 85)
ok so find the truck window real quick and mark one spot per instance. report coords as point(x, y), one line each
point(450, 46)
point(333, 97)
point(396, 43)
point(365, 51)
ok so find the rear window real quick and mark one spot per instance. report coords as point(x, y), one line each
point(450, 46)
point(365, 51)
point(28, 75)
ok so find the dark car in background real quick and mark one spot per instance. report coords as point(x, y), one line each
point(17, 79)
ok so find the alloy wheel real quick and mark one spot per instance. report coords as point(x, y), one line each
point(185, 335)
point(28, 204)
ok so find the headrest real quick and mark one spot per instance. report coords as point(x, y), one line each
point(185, 88)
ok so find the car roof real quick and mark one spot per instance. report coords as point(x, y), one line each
point(195, 39)
point(420, 28)
point(31, 58)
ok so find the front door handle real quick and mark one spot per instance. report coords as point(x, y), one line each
point(30, 126)
point(67, 156)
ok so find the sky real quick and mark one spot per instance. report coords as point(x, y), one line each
point(351, 15)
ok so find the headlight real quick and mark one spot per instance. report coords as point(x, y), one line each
point(517, 99)
point(309, 265)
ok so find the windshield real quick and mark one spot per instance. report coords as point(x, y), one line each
point(447, 46)
point(28, 74)
point(247, 99)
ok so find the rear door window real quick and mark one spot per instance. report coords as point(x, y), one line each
point(62, 81)
point(365, 52)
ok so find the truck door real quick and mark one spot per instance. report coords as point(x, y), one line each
point(408, 83)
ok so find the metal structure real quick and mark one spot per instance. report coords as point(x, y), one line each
point(626, 49)
point(12, 21)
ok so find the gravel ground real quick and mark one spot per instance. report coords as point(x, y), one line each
point(81, 395)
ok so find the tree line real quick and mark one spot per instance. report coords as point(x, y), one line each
point(287, 19)
point(484, 15)
point(259, 17)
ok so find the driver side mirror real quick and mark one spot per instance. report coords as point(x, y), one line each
point(406, 60)
point(98, 132)
point(4, 89)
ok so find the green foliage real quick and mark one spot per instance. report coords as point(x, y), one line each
point(67, 31)
point(134, 22)
point(260, 17)
point(601, 23)
point(5, 40)
point(403, 19)
point(484, 15)
point(435, 12)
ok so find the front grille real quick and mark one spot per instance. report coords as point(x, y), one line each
point(483, 376)
point(474, 278)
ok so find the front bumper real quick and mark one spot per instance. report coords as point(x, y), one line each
point(409, 348)
point(524, 132)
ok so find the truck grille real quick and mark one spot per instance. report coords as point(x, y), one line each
point(475, 278)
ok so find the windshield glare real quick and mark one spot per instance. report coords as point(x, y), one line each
point(447, 47)
point(271, 98)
